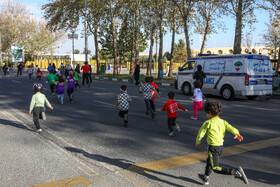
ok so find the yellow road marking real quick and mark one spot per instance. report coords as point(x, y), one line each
point(79, 180)
point(201, 156)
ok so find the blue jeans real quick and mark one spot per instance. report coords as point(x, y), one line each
point(60, 97)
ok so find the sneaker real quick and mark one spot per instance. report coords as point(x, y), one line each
point(44, 117)
point(194, 118)
point(125, 125)
point(177, 127)
point(239, 173)
point(204, 179)
point(171, 134)
point(39, 130)
point(53, 93)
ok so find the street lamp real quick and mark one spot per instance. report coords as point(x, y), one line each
point(73, 36)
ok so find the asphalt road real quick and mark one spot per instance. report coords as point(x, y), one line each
point(90, 132)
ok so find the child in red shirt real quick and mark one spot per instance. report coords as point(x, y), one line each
point(39, 74)
point(172, 107)
point(153, 93)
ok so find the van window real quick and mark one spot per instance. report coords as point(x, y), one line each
point(188, 65)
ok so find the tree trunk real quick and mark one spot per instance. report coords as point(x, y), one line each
point(238, 29)
point(120, 65)
point(151, 51)
point(97, 57)
point(278, 64)
point(132, 46)
point(115, 49)
point(204, 37)
point(186, 30)
point(160, 48)
point(136, 34)
point(170, 73)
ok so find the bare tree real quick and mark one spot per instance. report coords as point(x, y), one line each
point(243, 12)
point(207, 19)
point(186, 9)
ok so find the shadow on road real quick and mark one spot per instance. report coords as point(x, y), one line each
point(126, 164)
point(13, 123)
point(262, 177)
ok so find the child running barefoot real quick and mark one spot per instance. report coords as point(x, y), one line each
point(71, 86)
point(215, 128)
point(172, 107)
point(60, 89)
point(154, 93)
point(147, 93)
point(197, 99)
point(37, 105)
point(123, 104)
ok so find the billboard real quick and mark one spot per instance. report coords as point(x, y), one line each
point(17, 54)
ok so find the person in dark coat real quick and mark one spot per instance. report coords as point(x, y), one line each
point(20, 67)
point(137, 74)
point(199, 75)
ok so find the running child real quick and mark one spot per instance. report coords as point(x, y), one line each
point(52, 78)
point(37, 105)
point(147, 93)
point(215, 128)
point(154, 93)
point(60, 89)
point(197, 99)
point(172, 107)
point(123, 104)
point(76, 77)
point(30, 73)
point(39, 74)
point(71, 86)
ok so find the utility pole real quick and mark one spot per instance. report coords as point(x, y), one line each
point(86, 39)
point(73, 36)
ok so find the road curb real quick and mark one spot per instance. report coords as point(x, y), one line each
point(129, 81)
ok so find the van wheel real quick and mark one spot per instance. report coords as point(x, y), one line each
point(186, 88)
point(252, 97)
point(227, 92)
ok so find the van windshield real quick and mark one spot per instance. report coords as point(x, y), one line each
point(188, 66)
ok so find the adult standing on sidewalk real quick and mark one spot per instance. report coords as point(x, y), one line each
point(86, 70)
point(136, 73)
point(20, 67)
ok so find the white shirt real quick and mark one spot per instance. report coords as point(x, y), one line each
point(198, 95)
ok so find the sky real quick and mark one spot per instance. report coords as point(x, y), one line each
point(222, 39)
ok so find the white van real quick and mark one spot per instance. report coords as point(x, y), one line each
point(229, 75)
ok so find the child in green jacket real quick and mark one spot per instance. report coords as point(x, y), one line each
point(215, 128)
point(76, 77)
point(52, 78)
point(37, 105)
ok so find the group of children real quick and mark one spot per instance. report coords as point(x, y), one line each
point(58, 81)
point(215, 127)
point(30, 71)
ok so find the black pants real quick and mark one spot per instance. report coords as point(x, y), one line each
point(148, 106)
point(70, 94)
point(39, 78)
point(153, 106)
point(19, 72)
point(30, 76)
point(124, 114)
point(85, 76)
point(214, 153)
point(90, 79)
point(171, 122)
point(5, 72)
point(136, 78)
point(52, 86)
point(36, 115)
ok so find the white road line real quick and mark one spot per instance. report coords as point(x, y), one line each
point(16, 81)
point(109, 104)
